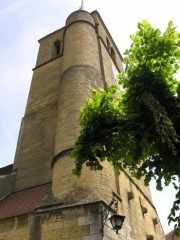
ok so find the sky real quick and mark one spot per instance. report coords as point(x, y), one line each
point(23, 22)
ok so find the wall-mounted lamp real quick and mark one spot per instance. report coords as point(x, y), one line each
point(115, 219)
point(116, 222)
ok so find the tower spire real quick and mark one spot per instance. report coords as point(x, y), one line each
point(82, 5)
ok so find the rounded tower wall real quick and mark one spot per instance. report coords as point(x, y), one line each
point(81, 73)
point(80, 15)
point(80, 42)
point(91, 186)
point(76, 86)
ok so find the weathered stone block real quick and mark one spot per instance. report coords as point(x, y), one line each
point(93, 237)
point(87, 220)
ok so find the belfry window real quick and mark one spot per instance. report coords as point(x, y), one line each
point(57, 47)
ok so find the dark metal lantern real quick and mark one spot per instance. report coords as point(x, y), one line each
point(116, 222)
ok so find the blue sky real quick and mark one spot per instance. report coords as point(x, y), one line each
point(23, 22)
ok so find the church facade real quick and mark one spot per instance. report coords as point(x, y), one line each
point(40, 199)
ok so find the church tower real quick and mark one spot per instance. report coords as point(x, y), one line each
point(40, 199)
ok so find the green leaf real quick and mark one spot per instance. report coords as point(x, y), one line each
point(135, 125)
point(170, 23)
point(157, 32)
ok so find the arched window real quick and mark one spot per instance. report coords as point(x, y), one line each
point(57, 47)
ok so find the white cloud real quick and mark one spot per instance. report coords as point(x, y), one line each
point(12, 8)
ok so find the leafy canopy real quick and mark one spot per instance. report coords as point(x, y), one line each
point(138, 128)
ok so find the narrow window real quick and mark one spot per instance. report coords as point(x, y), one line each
point(113, 54)
point(108, 43)
point(57, 46)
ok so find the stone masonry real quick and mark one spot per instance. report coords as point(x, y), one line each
point(40, 199)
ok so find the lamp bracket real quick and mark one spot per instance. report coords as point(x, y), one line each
point(105, 210)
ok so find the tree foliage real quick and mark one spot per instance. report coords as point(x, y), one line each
point(138, 128)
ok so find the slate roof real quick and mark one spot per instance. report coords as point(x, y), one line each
point(23, 202)
point(6, 170)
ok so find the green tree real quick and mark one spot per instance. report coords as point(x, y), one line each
point(138, 127)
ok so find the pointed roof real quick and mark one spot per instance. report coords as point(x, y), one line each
point(6, 170)
point(82, 5)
